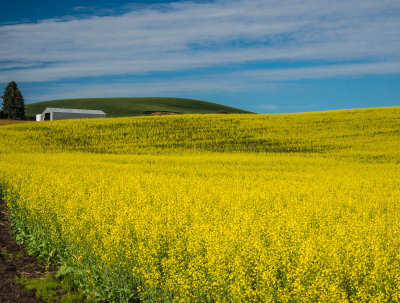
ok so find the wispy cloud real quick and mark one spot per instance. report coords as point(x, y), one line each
point(334, 39)
point(175, 86)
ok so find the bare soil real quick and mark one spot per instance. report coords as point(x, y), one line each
point(161, 113)
point(8, 122)
point(14, 262)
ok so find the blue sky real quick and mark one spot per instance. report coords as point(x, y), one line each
point(265, 56)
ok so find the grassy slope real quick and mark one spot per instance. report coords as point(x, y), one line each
point(120, 107)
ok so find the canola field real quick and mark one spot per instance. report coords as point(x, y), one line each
point(212, 208)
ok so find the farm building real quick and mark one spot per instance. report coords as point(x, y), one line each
point(52, 113)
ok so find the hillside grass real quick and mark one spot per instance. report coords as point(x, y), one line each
point(123, 107)
point(212, 208)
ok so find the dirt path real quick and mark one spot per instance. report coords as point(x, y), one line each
point(14, 262)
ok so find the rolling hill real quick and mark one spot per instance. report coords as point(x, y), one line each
point(122, 107)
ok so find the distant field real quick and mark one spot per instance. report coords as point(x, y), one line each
point(8, 122)
point(124, 107)
point(212, 208)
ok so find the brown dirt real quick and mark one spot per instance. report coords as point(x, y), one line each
point(14, 262)
point(8, 122)
point(160, 113)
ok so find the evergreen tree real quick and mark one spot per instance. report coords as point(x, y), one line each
point(13, 102)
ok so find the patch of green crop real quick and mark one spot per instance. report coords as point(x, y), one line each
point(72, 297)
point(48, 288)
point(7, 254)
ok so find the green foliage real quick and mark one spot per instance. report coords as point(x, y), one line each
point(13, 102)
point(123, 107)
point(68, 284)
point(36, 238)
point(46, 287)
point(7, 254)
point(11, 256)
point(72, 297)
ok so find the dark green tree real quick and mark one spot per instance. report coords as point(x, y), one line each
point(13, 102)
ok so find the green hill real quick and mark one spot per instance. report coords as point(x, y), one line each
point(122, 107)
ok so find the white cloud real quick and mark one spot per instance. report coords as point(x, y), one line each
point(255, 80)
point(185, 36)
point(177, 86)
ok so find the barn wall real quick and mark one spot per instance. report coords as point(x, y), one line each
point(61, 116)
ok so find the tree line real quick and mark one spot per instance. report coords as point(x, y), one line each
point(13, 103)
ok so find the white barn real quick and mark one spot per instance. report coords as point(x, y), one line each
point(51, 113)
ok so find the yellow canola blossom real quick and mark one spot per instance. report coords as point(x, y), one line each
point(309, 213)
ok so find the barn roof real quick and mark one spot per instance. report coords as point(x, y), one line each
point(74, 111)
